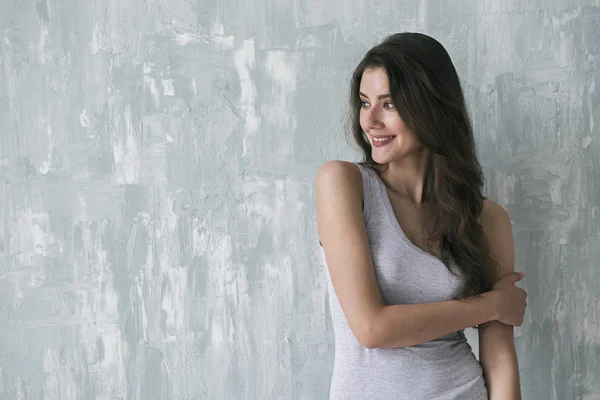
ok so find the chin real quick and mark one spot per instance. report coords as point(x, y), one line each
point(383, 159)
point(396, 155)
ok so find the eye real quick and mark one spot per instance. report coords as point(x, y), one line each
point(363, 104)
point(386, 104)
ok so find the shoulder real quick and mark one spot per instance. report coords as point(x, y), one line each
point(338, 187)
point(338, 169)
point(341, 177)
point(493, 213)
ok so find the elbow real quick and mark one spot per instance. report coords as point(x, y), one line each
point(368, 342)
point(369, 337)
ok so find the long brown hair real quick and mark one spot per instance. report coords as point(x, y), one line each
point(427, 94)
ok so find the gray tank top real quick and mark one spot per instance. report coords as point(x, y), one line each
point(442, 369)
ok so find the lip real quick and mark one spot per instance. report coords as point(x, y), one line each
point(381, 144)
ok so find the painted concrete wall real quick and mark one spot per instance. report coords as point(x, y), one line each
point(157, 163)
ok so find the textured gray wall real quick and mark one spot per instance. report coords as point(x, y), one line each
point(157, 163)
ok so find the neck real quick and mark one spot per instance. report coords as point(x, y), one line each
point(406, 177)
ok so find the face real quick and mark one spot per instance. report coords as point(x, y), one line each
point(390, 139)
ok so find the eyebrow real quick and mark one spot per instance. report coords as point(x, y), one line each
point(381, 96)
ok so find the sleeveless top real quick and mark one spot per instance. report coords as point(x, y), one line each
point(442, 369)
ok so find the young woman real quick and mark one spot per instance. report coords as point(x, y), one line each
point(415, 253)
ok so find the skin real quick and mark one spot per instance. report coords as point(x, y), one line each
point(405, 159)
point(497, 353)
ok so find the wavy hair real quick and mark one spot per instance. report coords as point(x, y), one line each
point(428, 96)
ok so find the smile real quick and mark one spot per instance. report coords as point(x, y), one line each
point(382, 141)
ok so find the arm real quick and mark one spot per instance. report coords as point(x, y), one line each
point(343, 235)
point(496, 342)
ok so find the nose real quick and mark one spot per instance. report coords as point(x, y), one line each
point(372, 118)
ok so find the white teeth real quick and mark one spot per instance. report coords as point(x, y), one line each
point(382, 139)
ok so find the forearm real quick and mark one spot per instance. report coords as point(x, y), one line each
point(502, 378)
point(407, 325)
point(498, 359)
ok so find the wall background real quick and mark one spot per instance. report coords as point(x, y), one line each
point(157, 163)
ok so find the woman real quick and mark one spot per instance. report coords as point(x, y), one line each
point(415, 253)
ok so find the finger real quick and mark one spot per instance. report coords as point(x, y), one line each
point(515, 276)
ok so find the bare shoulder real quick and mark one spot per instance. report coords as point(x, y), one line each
point(338, 171)
point(338, 183)
point(492, 211)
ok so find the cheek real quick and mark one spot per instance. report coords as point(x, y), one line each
point(399, 124)
point(396, 122)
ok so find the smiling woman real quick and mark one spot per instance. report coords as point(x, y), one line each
point(427, 255)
